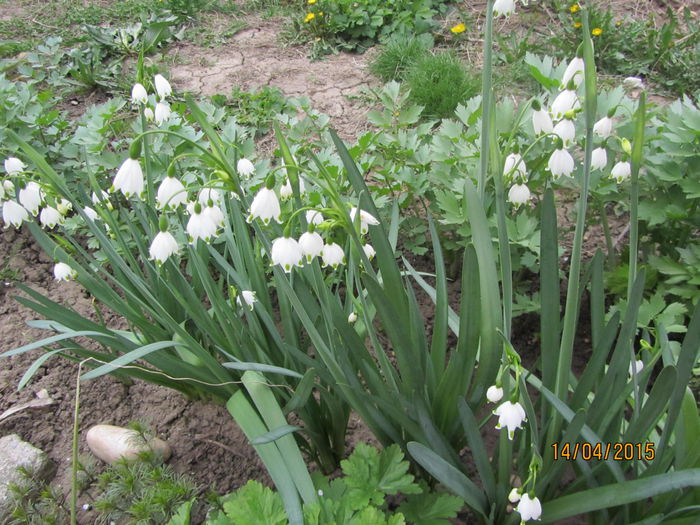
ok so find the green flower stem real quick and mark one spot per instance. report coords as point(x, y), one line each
point(571, 311)
point(74, 453)
point(150, 193)
point(486, 102)
point(609, 246)
point(636, 161)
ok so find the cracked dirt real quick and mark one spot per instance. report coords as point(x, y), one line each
point(253, 58)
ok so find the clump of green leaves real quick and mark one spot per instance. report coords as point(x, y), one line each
point(439, 83)
point(255, 108)
point(34, 502)
point(397, 56)
point(360, 496)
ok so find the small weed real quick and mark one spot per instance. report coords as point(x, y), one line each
point(439, 83)
point(396, 57)
point(255, 108)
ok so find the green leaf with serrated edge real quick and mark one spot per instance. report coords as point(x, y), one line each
point(371, 475)
point(431, 509)
point(255, 504)
point(182, 515)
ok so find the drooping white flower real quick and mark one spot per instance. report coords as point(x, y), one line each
point(514, 495)
point(519, 194)
point(148, 113)
point(542, 122)
point(603, 128)
point(64, 206)
point(163, 246)
point(286, 252)
point(163, 87)
point(265, 206)
point(215, 214)
point(209, 194)
point(633, 83)
point(365, 219)
point(50, 217)
point(599, 158)
point(566, 131)
point(14, 166)
point(8, 186)
point(91, 214)
point(566, 101)
point(247, 298)
point(510, 415)
point(97, 199)
point(139, 94)
point(573, 72)
point(369, 251)
point(332, 255)
point(352, 317)
point(200, 225)
point(494, 393)
point(560, 163)
point(503, 8)
point(171, 193)
point(2, 192)
point(286, 189)
point(13, 213)
point(514, 167)
point(529, 508)
point(162, 113)
point(314, 217)
point(129, 178)
point(63, 272)
point(245, 168)
point(621, 171)
point(31, 197)
point(636, 367)
point(311, 244)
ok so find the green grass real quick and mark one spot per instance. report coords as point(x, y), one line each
point(440, 82)
point(396, 57)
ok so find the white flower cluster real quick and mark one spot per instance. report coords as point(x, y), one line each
point(162, 111)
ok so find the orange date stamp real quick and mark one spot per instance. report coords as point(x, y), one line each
point(603, 451)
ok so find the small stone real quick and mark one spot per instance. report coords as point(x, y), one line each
point(15, 453)
point(110, 443)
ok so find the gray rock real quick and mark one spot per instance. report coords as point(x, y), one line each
point(15, 453)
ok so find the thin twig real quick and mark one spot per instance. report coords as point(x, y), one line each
point(35, 21)
point(225, 447)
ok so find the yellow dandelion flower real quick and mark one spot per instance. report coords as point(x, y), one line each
point(574, 8)
point(577, 25)
point(618, 23)
point(597, 31)
point(320, 13)
point(309, 17)
point(312, 1)
point(459, 28)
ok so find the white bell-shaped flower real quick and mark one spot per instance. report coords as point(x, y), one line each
point(91, 214)
point(542, 122)
point(163, 87)
point(365, 219)
point(163, 246)
point(31, 197)
point(286, 252)
point(369, 251)
point(566, 131)
point(621, 171)
point(129, 178)
point(215, 214)
point(162, 113)
point(560, 163)
point(200, 225)
point(13, 213)
point(50, 217)
point(332, 255)
point(209, 194)
point(494, 393)
point(265, 206)
point(63, 272)
point(311, 244)
point(636, 367)
point(510, 415)
point(603, 128)
point(529, 508)
point(245, 168)
point(246, 298)
point(599, 158)
point(14, 166)
point(286, 189)
point(139, 95)
point(171, 193)
point(566, 101)
point(519, 194)
point(514, 167)
point(64, 206)
point(503, 8)
point(352, 318)
point(573, 72)
point(148, 113)
point(514, 495)
point(314, 217)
